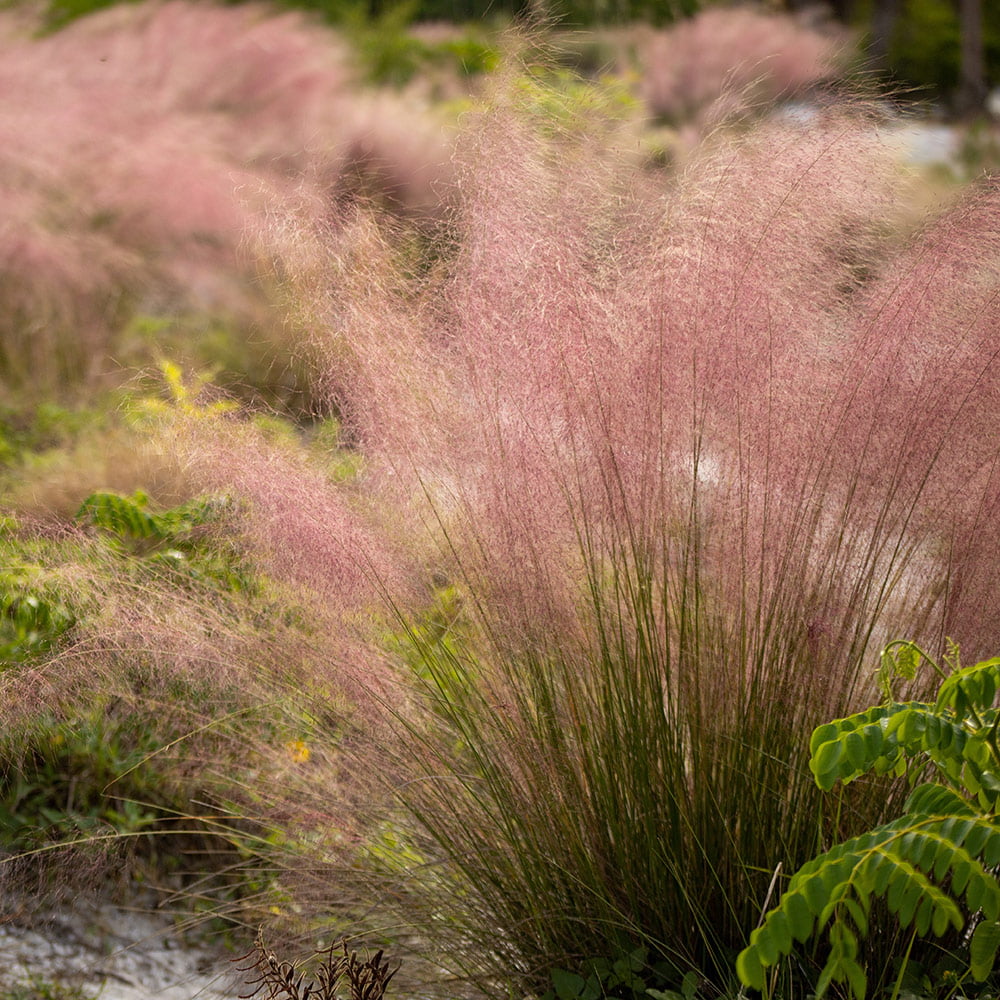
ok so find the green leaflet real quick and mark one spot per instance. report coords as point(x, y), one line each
point(983, 948)
point(933, 799)
point(828, 764)
point(749, 968)
point(801, 918)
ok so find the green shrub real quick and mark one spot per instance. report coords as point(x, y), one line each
point(32, 616)
point(82, 778)
point(30, 624)
point(94, 764)
point(631, 977)
point(27, 431)
point(391, 54)
point(37, 988)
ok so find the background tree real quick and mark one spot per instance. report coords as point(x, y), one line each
point(885, 15)
point(972, 88)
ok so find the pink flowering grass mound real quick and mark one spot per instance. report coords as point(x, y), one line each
point(677, 462)
point(142, 145)
point(726, 59)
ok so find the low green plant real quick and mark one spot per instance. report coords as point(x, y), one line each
point(36, 429)
point(32, 618)
point(97, 768)
point(629, 977)
point(935, 866)
point(257, 367)
point(925, 47)
point(325, 439)
point(170, 539)
point(81, 778)
point(391, 55)
point(46, 989)
point(180, 545)
point(436, 638)
point(564, 104)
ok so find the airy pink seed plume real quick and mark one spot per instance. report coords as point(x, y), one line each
point(734, 55)
point(141, 145)
point(325, 553)
point(924, 356)
point(301, 529)
point(590, 358)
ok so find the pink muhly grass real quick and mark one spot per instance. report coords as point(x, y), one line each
point(738, 56)
point(928, 327)
point(690, 459)
point(142, 145)
point(301, 529)
point(216, 687)
point(156, 668)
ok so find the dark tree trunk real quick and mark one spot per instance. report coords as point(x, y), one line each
point(884, 18)
point(842, 10)
point(972, 69)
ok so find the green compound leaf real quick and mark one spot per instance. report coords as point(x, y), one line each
point(124, 516)
point(907, 661)
point(880, 740)
point(935, 858)
point(971, 689)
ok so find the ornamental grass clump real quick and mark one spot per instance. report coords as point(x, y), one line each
point(159, 667)
point(141, 147)
point(726, 60)
point(645, 471)
point(676, 462)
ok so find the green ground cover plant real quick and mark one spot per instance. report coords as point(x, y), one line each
point(43, 989)
point(121, 756)
point(67, 778)
point(31, 619)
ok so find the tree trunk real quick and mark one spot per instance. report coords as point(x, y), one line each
point(972, 70)
point(842, 10)
point(884, 17)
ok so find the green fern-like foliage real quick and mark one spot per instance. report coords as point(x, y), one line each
point(171, 540)
point(935, 865)
point(131, 518)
